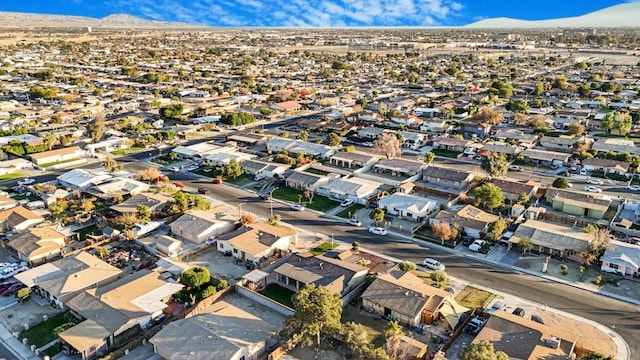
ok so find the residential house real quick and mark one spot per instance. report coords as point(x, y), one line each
point(357, 189)
point(553, 239)
point(447, 178)
point(543, 157)
point(474, 129)
point(248, 139)
point(564, 143)
point(621, 258)
point(523, 139)
point(263, 168)
point(512, 189)
point(154, 201)
point(115, 313)
point(287, 106)
point(450, 144)
point(37, 245)
point(277, 145)
point(399, 167)
point(57, 156)
point(62, 280)
point(510, 151)
point(410, 207)
point(413, 140)
point(222, 158)
point(163, 244)
point(118, 187)
point(14, 165)
point(471, 219)
point(302, 269)
point(619, 146)
point(563, 123)
point(351, 159)
point(307, 181)
point(81, 179)
point(405, 298)
point(7, 203)
point(578, 203)
point(435, 125)
point(18, 219)
point(522, 338)
point(370, 133)
point(606, 166)
point(257, 241)
point(107, 146)
point(197, 226)
point(229, 330)
point(199, 150)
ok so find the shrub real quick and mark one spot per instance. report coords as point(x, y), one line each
point(208, 291)
point(407, 266)
point(222, 283)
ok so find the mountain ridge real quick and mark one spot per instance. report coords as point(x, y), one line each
point(119, 20)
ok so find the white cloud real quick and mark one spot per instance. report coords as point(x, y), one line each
point(324, 13)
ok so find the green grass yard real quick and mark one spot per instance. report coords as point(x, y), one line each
point(472, 297)
point(240, 180)
point(323, 248)
point(351, 209)
point(278, 293)
point(10, 176)
point(57, 163)
point(316, 171)
point(42, 333)
point(319, 203)
point(127, 151)
point(445, 153)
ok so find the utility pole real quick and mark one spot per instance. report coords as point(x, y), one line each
point(271, 199)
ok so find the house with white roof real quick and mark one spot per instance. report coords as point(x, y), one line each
point(357, 189)
point(621, 258)
point(197, 226)
point(199, 150)
point(107, 146)
point(80, 179)
point(410, 207)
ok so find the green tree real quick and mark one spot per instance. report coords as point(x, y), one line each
point(560, 183)
point(523, 198)
point(143, 211)
point(362, 102)
point(96, 129)
point(429, 157)
point(518, 106)
point(317, 310)
point(616, 120)
point(495, 229)
point(525, 245)
point(233, 169)
point(439, 277)
point(333, 139)
point(407, 265)
point(576, 129)
point(377, 215)
point(58, 207)
point(173, 111)
point(482, 350)
point(488, 195)
point(560, 82)
point(195, 277)
point(496, 164)
point(303, 135)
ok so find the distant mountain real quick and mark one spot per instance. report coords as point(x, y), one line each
point(623, 15)
point(114, 21)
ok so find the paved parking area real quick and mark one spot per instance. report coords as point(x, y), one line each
point(6, 256)
point(28, 312)
point(219, 265)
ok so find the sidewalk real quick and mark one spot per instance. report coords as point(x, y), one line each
point(15, 346)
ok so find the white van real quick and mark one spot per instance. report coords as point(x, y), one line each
point(35, 205)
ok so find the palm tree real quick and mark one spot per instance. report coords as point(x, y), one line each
point(392, 334)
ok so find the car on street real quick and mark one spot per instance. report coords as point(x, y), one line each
point(467, 240)
point(27, 181)
point(259, 177)
point(433, 264)
point(203, 191)
point(378, 231)
point(217, 181)
point(515, 168)
point(477, 245)
point(595, 182)
point(519, 311)
point(633, 187)
point(210, 241)
point(592, 189)
point(174, 169)
point(179, 185)
point(354, 222)
point(297, 207)
point(346, 203)
point(207, 170)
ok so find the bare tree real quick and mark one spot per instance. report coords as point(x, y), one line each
point(387, 144)
point(309, 195)
point(488, 115)
point(149, 174)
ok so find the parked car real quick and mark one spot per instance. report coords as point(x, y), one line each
point(179, 185)
point(13, 289)
point(346, 203)
point(595, 181)
point(537, 318)
point(633, 187)
point(354, 222)
point(259, 177)
point(203, 191)
point(174, 169)
point(433, 264)
point(584, 172)
point(515, 168)
point(592, 189)
point(378, 231)
point(467, 240)
point(498, 305)
point(210, 241)
point(519, 311)
point(217, 181)
point(297, 207)
point(474, 325)
point(26, 181)
point(477, 245)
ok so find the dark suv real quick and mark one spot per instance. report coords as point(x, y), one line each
point(467, 240)
point(203, 191)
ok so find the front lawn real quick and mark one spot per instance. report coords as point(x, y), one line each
point(316, 171)
point(278, 293)
point(82, 233)
point(472, 297)
point(53, 350)
point(211, 174)
point(323, 248)
point(240, 180)
point(129, 150)
point(57, 163)
point(43, 333)
point(319, 203)
point(445, 153)
point(351, 209)
point(426, 278)
point(10, 176)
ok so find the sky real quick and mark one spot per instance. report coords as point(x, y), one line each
point(316, 13)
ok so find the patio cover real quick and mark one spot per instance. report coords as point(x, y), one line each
point(255, 276)
point(452, 312)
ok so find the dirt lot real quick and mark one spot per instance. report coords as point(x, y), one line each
point(29, 312)
point(218, 265)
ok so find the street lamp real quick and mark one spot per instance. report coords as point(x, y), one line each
point(240, 209)
point(271, 199)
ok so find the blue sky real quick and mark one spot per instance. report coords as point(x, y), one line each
point(316, 12)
